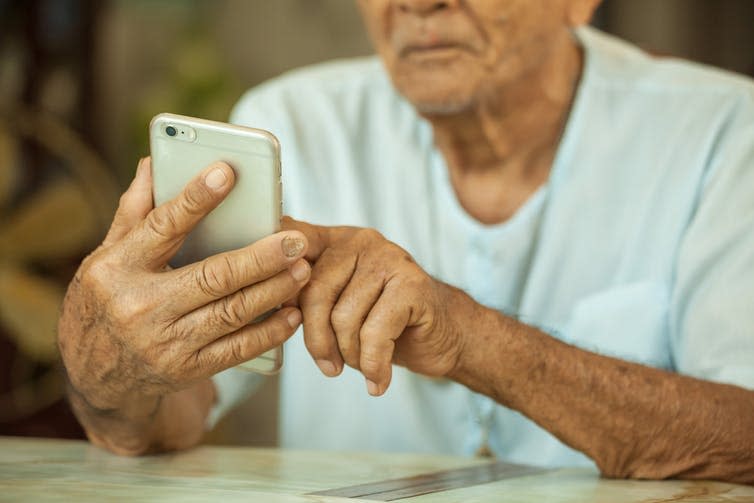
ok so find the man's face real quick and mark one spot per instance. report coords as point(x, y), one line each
point(443, 56)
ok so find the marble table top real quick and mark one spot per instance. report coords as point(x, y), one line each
point(60, 470)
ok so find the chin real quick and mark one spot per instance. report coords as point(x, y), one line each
point(436, 93)
point(430, 107)
point(437, 87)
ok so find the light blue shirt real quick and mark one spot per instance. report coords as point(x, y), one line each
point(640, 245)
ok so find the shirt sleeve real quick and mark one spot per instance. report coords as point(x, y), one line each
point(712, 310)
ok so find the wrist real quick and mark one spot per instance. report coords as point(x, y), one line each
point(467, 340)
point(465, 321)
point(488, 355)
point(131, 407)
point(127, 430)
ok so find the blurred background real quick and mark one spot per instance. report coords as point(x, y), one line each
point(79, 82)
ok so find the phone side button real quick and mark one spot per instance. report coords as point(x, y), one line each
point(280, 194)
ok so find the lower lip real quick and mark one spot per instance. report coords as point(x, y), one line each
point(433, 53)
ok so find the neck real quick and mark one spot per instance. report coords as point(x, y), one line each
point(511, 134)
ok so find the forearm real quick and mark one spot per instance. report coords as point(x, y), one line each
point(173, 422)
point(632, 420)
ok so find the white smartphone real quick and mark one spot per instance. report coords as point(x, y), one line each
point(181, 147)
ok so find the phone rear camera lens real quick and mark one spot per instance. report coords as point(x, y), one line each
point(170, 131)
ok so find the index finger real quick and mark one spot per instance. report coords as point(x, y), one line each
point(384, 325)
point(135, 204)
point(161, 234)
point(221, 275)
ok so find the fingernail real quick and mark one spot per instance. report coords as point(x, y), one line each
point(327, 367)
point(300, 270)
point(294, 319)
point(372, 387)
point(292, 247)
point(216, 179)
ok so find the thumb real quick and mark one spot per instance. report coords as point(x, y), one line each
point(135, 204)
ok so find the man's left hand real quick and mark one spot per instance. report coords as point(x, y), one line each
point(369, 304)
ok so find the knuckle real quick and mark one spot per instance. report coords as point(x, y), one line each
point(203, 360)
point(320, 291)
point(127, 310)
point(162, 222)
point(368, 235)
point(95, 273)
point(238, 349)
point(214, 278)
point(371, 361)
point(194, 199)
point(264, 297)
point(412, 285)
point(121, 306)
point(256, 261)
point(232, 311)
point(397, 254)
point(115, 304)
point(312, 296)
point(341, 319)
point(266, 337)
point(370, 331)
point(350, 350)
point(372, 234)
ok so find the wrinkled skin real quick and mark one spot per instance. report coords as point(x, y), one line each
point(133, 331)
point(369, 304)
point(447, 57)
point(495, 79)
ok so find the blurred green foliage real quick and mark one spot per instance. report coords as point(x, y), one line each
point(197, 82)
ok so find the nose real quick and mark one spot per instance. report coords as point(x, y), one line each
point(424, 7)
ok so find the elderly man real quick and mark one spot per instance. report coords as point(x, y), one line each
point(552, 238)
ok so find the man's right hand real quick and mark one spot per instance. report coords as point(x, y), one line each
point(133, 331)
